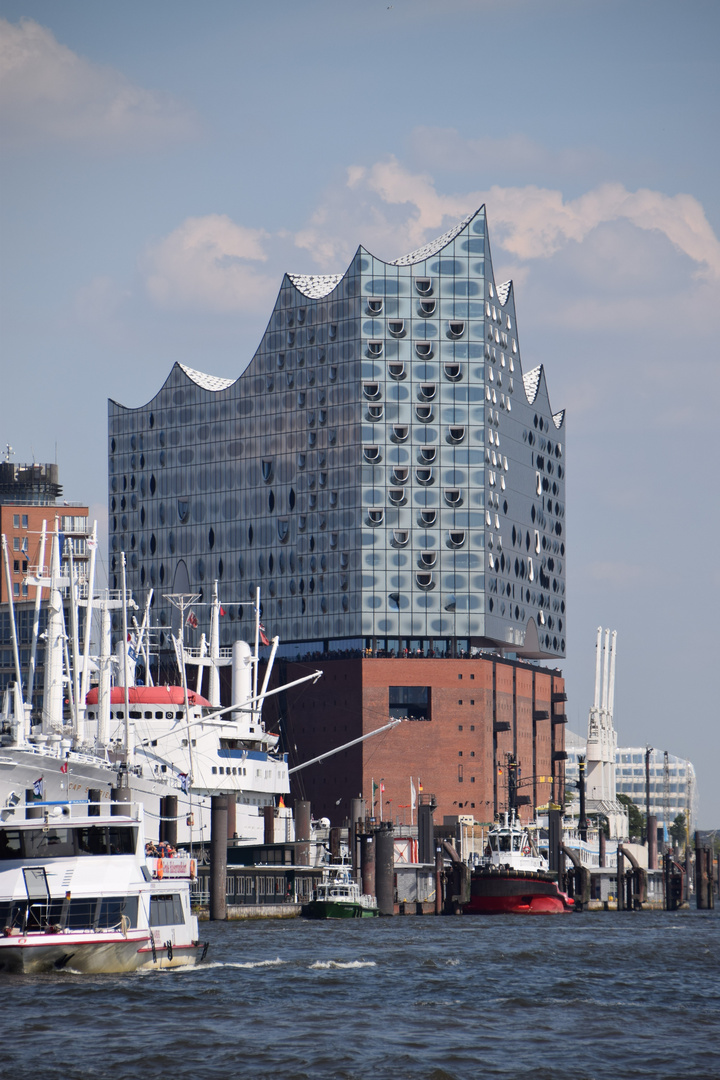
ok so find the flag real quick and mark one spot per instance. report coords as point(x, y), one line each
point(420, 787)
point(91, 542)
point(222, 610)
point(281, 802)
point(263, 635)
point(382, 787)
point(39, 788)
point(64, 767)
point(191, 620)
point(413, 794)
point(375, 787)
point(184, 779)
point(24, 547)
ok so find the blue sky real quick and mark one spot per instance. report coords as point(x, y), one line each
point(164, 163)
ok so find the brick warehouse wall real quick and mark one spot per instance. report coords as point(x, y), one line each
point(481, 710)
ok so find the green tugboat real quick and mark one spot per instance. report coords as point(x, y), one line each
point(339, 897)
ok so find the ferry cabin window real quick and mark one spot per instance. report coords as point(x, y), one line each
point(83, 913)
point(67, 842)
point(166, 910)
point(10, 844)
point(409, 702)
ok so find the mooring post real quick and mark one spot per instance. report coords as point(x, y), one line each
point(385, 869)
point(620, 880)
point(218, 857)
point(302, 832)
point(704, 891)
point(438, 880)
point(367, 862)
point(652, 841)
point(94, 797)
point(30, 810)
point(171, 819)
point(602, 853)
point(232, 816)
point(121, 800)
point(268, 824)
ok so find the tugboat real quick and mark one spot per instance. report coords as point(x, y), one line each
point(512, 876)
point(339, 897)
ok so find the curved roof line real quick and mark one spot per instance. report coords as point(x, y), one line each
point(503, 291)
point(427, 250)
point(531, 380)
point(207, 382)
point(315, 286)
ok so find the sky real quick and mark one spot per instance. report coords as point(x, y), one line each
point(163, 163)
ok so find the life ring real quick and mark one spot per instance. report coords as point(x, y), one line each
point(160, 871)
point(193, 868)
point(526, 850)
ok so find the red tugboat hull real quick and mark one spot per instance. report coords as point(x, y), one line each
point(498, 892)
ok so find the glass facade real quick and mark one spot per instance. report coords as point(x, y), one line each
point(382, 469)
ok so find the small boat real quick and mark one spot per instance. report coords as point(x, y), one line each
point(339, 897)
point(512, 876)
point(76, 893)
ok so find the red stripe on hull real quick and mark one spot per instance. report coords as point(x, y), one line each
point(516, 905)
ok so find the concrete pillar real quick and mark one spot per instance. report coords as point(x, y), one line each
point(269, 820)
point(652, 841)
point(367, 862)
point(94, 797)
point(602, 852)
point(302, 832)
point(218, 856)
point(385, 870)
point(335, 845)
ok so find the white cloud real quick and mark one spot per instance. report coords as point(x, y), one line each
point(404, 207)
point(209, 263)
point(49, 92)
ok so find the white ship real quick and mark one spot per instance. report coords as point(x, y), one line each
point(159, 741)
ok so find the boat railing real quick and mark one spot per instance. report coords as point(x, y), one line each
point(60, 812)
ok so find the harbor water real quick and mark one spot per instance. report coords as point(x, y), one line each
point(587, 997)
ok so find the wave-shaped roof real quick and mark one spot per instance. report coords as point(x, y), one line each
point(531, 379)
point(207, 382)
point(315, 286)
point(427, 250)
point(503, 291)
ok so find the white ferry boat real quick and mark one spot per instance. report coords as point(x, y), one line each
point(76, 893)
